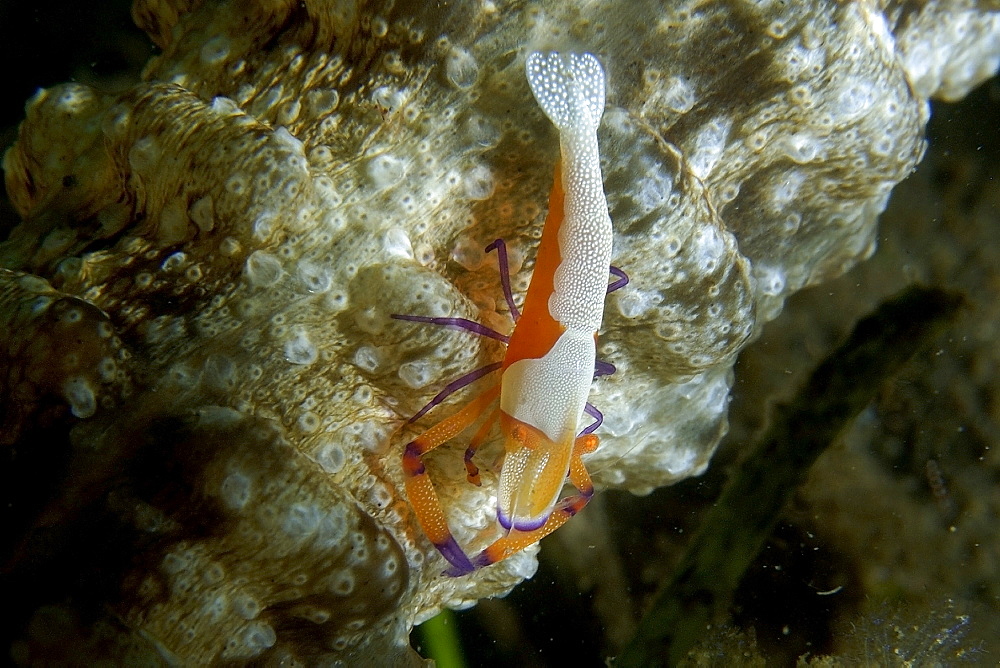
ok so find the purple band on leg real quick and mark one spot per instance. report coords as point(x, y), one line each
point(603, 369)
point(533, 524)
point(591, 410)
point(523, 525)
point(621, 282)
point(482, 559)
point(455, 323)
point(412, 453)
point(501, 248)
point(575, 504)
point(460, 564)
point(454, 386)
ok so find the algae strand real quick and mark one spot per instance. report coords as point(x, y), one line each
point(737, 526)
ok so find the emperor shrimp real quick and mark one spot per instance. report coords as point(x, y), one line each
point(541, 395)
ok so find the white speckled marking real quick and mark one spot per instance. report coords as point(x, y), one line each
point(569, 87)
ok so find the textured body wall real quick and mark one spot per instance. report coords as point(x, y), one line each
point(236, 230)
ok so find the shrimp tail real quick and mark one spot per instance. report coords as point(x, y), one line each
point(569, 87)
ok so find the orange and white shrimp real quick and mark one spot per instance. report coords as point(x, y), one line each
point(546, 374)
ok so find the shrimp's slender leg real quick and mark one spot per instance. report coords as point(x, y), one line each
point(602, 368)
point(591, 410)
point(515, 540)
point(469, 326)
point(419, 487)
point(620, 283)
point(501, 248)
point(455, 323)
point(455, 386)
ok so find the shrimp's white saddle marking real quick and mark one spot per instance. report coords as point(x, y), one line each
point(549, 393)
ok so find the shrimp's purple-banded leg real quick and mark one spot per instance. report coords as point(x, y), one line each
point(591, 410)
point(516, 540)
point(602, 368)
point(420, 489)
point(455, 323)
point(621, 282)
point(501, 248)
point(455, 386)
point(472, 376)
